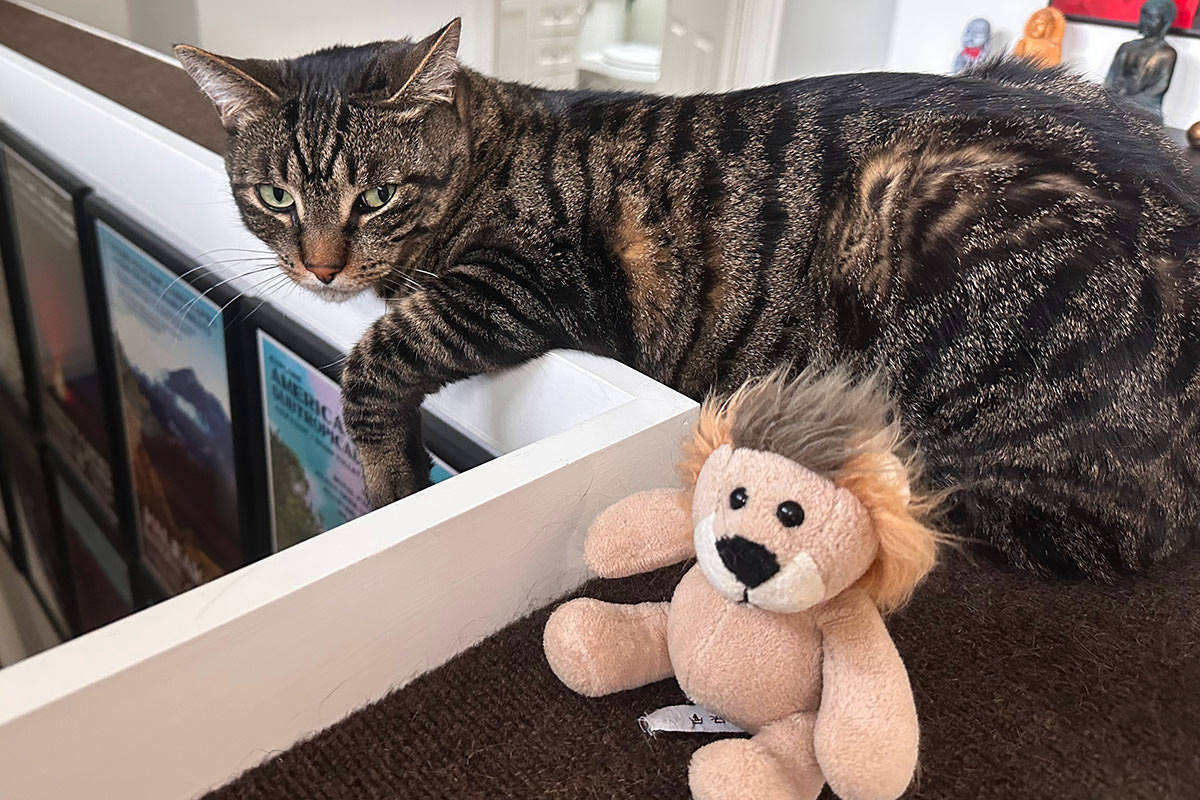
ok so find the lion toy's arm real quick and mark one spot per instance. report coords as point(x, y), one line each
point(866, 730)
point(641, 533)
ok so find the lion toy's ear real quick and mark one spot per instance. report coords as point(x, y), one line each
point(908, 546)
point(895, 473)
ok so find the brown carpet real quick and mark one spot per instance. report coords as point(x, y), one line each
point(1026, 689)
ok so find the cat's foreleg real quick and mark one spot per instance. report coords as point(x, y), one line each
point(470, 321)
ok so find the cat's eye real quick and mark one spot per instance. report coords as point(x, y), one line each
point(274, 197)
point(790, 514)
point(377, 197)
point(738, 498)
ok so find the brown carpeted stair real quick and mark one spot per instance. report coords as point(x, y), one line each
point(1026, 689)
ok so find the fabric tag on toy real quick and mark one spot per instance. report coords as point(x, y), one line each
point(686, 719)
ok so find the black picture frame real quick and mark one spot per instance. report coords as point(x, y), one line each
point(14, 388)
point(36, 521)
point(14, 543)
point(146, 587)
point(95, 474)
point(197, 280)
point(454, 448)
point(101, 581)
point(106, 519)
point(26, 399)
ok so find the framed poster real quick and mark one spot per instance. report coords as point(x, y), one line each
point(1124, 13)
point(12, 376)
point(9, 528)
point(101, 583)
point(10, 542)
point(43, 202)
point(34, 522)
point(6, 536)
point(313, 480)
point(16, 353)
point(174, 361)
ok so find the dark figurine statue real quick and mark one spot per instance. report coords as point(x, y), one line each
point(1142, 68)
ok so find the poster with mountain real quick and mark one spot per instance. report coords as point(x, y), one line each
point(312, 464)
point(316, 481)
point(170, 343)
point(48, 247)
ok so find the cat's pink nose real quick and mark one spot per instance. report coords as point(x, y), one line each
point(324, 274)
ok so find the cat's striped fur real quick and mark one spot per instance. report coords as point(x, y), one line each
point(1014, 251)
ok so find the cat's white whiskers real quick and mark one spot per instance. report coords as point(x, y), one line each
point(242, 293)
point(186, 307)
point(263, 294)
point(337, 362)
point(256, 251)
point(208, 264)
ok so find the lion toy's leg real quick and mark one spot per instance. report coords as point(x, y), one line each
point(597, 648)
point(777, 763)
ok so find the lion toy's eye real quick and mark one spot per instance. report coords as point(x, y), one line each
point(789, 513)
point(738, 498)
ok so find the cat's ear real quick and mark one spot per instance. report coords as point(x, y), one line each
point(238, 88)
point(427, 72)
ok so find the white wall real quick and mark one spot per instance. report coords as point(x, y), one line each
point(825, 38)
point(647, 20)
point(279, 28)
point(107, 15)
point(926, 33)
point(160, 24)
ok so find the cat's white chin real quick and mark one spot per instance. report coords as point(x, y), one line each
point(332, 294)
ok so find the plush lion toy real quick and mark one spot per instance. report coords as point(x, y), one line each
point(798, 509)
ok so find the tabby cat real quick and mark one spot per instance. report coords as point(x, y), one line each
point(1016, 252)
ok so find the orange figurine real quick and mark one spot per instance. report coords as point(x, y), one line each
point(1043, 37)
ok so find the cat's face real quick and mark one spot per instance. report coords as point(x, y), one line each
point(343, 160)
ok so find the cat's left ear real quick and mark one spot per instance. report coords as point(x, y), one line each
point(237, 87)
point(427, 72)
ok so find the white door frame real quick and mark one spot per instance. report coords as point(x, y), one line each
point(752, 43)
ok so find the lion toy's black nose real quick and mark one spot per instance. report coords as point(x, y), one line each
point(750, 562)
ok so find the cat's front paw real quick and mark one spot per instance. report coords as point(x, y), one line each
point(385, 423)
point(389, 473)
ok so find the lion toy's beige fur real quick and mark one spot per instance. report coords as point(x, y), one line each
point(800, 507)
